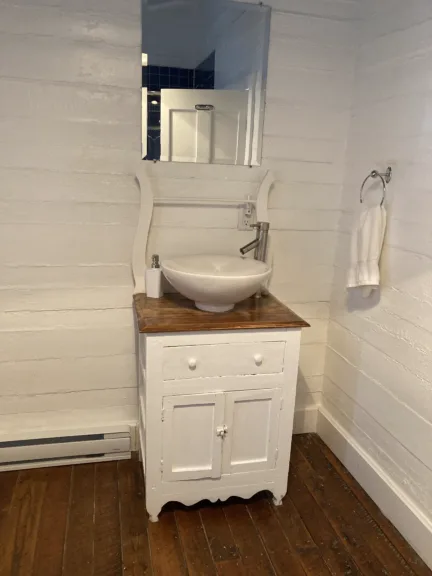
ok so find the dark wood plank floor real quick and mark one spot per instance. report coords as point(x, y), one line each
point(90, 520)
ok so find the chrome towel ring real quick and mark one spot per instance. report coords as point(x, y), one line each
point(385, 178)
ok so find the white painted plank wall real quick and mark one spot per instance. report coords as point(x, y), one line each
point(69, 144)
point(378, 375)
point(69, 141)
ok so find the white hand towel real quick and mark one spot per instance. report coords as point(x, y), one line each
point(366, 245)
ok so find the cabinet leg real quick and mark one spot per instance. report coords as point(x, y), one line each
point(153, 509)
point(277, 499)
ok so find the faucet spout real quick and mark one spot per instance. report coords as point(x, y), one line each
point(259, 243)
point(250, 246)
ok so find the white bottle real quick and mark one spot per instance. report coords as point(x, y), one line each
point(153, 278)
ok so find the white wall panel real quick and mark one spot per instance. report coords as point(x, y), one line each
point(111, 277)
point(301, 149)
point(78, 244)
point(310, 172)
point(65, 318)
point(322, 31)
point(322, 89)
point(20, 212)
point(383, 406)
point(65, 158)
point(67, 375)
point(313, 310)
point(24, 98)
point(405, 385)
point(313, 220)
point(310, 55)
point(38, 185)
point(307, 400)
point(73, 400)
point(335, 9)
point(306, 195)
point(47, 298)
point(114, 29)
point(67, 422)
point(65, 343)
point(404, 469)
point(127, 7)
point(312, 360)
point(44, 131)
point(303, 122)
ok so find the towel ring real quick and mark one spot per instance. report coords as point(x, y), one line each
point(385, 179)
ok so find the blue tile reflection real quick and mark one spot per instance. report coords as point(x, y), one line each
point(157, 78)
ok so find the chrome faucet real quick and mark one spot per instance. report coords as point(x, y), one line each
point(259, 243)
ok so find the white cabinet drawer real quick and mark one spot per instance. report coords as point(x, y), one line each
point(213, 360)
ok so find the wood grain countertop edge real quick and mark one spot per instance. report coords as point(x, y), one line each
point(174, 313)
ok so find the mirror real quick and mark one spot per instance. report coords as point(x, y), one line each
point(204, 69)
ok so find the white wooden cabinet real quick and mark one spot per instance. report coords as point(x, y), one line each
point(216, 413)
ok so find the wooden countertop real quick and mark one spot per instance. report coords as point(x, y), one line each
point(175, 313)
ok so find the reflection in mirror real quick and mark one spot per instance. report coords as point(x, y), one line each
point(204, 68)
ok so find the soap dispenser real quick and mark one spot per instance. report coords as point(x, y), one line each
point(153, 277)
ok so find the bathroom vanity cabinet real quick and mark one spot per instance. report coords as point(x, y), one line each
point(216, 398)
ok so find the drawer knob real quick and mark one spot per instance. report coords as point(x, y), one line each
point(258, 359)
point(192, 363)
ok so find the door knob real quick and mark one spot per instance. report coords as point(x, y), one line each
point(258, 359)
point(222, 431)
point(192, 363)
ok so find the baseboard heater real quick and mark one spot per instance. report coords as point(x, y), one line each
point(62, 450)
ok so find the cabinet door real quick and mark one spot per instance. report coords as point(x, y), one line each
point(192, 436)
point(252, 420)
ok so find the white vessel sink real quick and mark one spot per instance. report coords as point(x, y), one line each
point(215, 283)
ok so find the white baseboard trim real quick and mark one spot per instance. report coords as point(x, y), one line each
point(394, 503)
point(305, 420)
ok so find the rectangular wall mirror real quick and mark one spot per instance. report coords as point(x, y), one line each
point(204, 70)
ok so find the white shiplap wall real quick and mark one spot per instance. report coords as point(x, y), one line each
point(69, 144)
point(69, 141)
point(378, 378)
